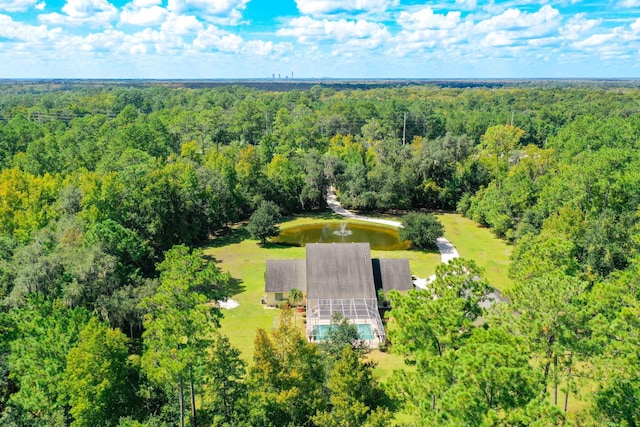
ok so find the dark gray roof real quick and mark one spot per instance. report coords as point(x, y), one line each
point(392, 273)
point(339, 270)
point(284, 275)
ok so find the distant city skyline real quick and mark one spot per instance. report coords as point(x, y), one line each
point(351, 39)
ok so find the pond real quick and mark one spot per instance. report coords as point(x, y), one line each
point(380, 238)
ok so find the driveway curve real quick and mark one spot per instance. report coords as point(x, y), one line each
point(446, 248)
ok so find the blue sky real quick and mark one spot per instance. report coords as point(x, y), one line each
point(319, 38)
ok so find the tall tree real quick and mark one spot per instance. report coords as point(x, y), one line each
point(615, 321)
point(44, 333)
point(354, 393)
point(100, 378)
point(422, 229)
point(553, 319)
point(286, 379)
point(431, 325)
point(181, 320)
point(341, 333)
point(490, 376)
point(498, 142)
point(264, 222)
point(224, 376)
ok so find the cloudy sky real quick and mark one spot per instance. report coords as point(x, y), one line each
point(319, 38)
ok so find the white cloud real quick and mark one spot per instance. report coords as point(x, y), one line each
point(467, 4)
point(213, 38)
point(514, 27)
point(618, 42)
point(144, 13)
point(595, 40)
point(147, 41)
point(29, 34)
point(266, 48)
point(426, 19)
point(40, 6)
point(536, 23)
point(181, 24)
point(578, 26)
point(326, 7)
point(17, 5)
point(109, 40)
point(424, 29)
point(141, 4)
point(147, 17)
point(346, 35)
point(488, 36)
point(407, 42)
point(99, 13)
point(630, 3)
point(228, 12)
point(497, 39)
point(150, 41)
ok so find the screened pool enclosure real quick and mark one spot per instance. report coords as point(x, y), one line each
point(338, 278)
point(363, 312)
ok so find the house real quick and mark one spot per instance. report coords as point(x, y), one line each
point(338, 277)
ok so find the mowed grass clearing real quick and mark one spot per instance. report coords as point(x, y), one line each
point(478, 243)
point(245, 260)
point(473, 242)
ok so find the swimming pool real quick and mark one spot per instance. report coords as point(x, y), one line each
point(364, 331)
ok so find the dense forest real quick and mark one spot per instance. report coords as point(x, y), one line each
point(106, 191)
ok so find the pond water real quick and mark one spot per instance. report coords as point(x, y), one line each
point(380, 238)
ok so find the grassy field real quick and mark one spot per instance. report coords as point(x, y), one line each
point(245, 260)
point(479, 244)
point(474, 242)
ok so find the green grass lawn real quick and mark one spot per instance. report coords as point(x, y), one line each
point(245, 260)
point(479, 244)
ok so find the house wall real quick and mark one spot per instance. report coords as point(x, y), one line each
point(273, 298)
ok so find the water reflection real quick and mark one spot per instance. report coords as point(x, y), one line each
point(380, 238)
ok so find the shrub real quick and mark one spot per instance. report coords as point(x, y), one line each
point(422, 229)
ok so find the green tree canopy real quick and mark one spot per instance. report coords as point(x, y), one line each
point(431, 325)
point(354, 392)
point(100, 378)
point(44, 334)
point(263, 223)
point(226, 389)
point(286, 380)
point(181, 318)
point(422, 229)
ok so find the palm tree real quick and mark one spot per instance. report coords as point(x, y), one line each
point(295, 298)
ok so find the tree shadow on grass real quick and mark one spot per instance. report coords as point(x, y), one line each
point(235, 287)
point(429, 250)
point(273, 245)
point(228, 236)
point(390, 403)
